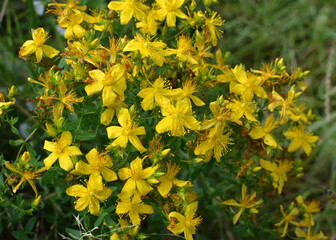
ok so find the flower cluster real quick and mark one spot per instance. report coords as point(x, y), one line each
point(126, 111)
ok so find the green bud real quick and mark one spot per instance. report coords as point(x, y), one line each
point(60, 123)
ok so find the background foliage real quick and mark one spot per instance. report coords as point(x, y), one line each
point(302, 32)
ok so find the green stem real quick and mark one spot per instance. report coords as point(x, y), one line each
point(25, 141)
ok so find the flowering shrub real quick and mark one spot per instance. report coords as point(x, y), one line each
point(139, 116)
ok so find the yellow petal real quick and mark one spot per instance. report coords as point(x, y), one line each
point(72, 151)
point(77, 191)
point(237, 216)
point(82, 203)
point(83, 168)
point(66, 138)
point(231, 202)
point(129, 187)
point(191, 209)
point(49, 146)
point(135, 141)
point(68, 33)
point(50, 52)
point(49, 161)
point(257, 132)
point(268, 165)
point(114, 132)
point(65, 162)
point(143, 187)
point(134, 216)
point(108, 174)
point(269, 140)
point(164, 125)
point(28, 48)
point(107, 116)
point(38, 54)
point(78, 31)
point(124, 173)
point(165, 187)
point(104, 194)
point(121, 141)
point(93, 88)
point(109, 96)
point(145, 209)
point(94, 206)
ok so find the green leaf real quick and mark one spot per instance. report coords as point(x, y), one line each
point(15, 143)
point(15, 131)
point(73, 233)
point(30, 224)
point(100, 219)
point(48, 177)
point(20, 235)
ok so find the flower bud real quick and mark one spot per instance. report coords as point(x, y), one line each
point(51, 131)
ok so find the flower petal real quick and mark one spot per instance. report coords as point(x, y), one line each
point(65, 162)
point(49, 161)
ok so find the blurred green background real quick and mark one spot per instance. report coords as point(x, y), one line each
point(303, 32)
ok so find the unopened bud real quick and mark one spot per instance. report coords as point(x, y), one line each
point(51, 131)
point(36, 201)
point(26, 157)
point(12, 92)
point(60, 123)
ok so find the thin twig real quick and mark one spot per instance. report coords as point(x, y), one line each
point(3, 11)
point(167, 234)
point(328, 83)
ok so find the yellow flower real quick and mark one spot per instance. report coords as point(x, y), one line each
point(107, 116)
point(170, 9)
point(72, 25)
point(133, 208)
point(308, 236)
point(168, 180)
point(37, 45)
point(5, 105)
point(220, 115)
point(216, 143)
point(300, 139)
point(264, 132)
point(69, 7)
point(61, 150)
point(188, 88)
point(67, 98)
point(26, 175)
point(136, 178)
point(148, 24)
point(243, 107)
point(278, 172)
point(186, 223)
point(82, 50)
point(287, 109)
point(125, 228)
point(176, 118)
point(112, 82)
point(97, 18)
point(309, 209)
point(212, 24)
point(245, 203)
point(184, 50)
point(156, 150)
point(288, 218)
point(158, 93)
point(97, 163)
point(154, 50)
point(247, 85)
point(127, 132)
point(91, 195)
point(129, 8)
